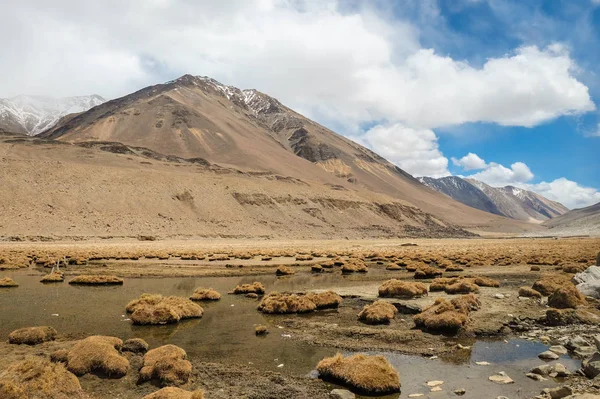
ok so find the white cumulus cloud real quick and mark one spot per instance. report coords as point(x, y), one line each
point(470, 162)
point(498, 175)
point(414, 150)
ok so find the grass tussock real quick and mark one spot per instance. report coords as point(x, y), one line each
point(157, 309)
point(402, 289)
point(462, 287)
point(99, 354)
point(529, 292)
point(447, 315)
point(96, 280)
point(168, 365)
point(7, 282)
point(440, 283)
point(303, 258)
point(135, 345)
point(572, 269)
point(39, 378)
point(356, 266)
point(254, 288)
point(393, 266)
point(379, 312)
point(425, 272)
point(32, 335)
point(548, 285)
point(205, 294)
point(284, 271)
point(325, 300)
point(567, 297)
point(276, 303)
point(485, 282)
point(174, 393)
point(316, 269)
point(54, 277)
point(368, 374)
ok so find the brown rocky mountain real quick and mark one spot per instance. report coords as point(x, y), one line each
point(201, 121)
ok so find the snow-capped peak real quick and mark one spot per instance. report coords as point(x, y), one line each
point(34, 114)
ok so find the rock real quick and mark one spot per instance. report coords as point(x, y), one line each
point(558, 392)
point(416, 395)
point(535, 377)
point(482, 363)
point(583, 396)
point(585, 351)
point(576, 342)
point(588, 282)
point(434, 383)
point(436, 389)
point(561, 370)
point(597, 341)
point(591, 366)
point(499, 296)
point(460, 392)
point(548, 355)
point(341, 394)
point(544, 369)
point(558, 349)
point(501, 378)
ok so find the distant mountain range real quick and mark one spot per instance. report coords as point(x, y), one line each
point(509, 201)
point(32, 115)
point(576, 222)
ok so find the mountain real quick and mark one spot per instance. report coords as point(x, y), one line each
point(199, 118)
point(583, 221)
point(32, 114)
point(508, 201)
point(462, 191)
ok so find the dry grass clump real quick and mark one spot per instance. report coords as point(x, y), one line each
point(255, 288)
point(440, 283)
point(325, 300)
point(205, 294)
point(261, 330)
point(135, 345)
point(316, 269)
point(574, 268)
point(529, 292)
point(485, 282)
point(454, 268)
point(461, 287)
point(54, 277)
point(7, 282)
point(535, 268)
point(284, 271)
point(174, 393)
point(402, 289)
point(356, 266)
point(427, 272)
point(32, 335)
point(96, 280)
point(38, 378)
point(166, 364)
point(447, 315)
point(379, 312)
point(393, 266)
point(301, 258)
point(98, 354)
point(368, 374)
point(548, 285)
point(157, 309)
point(276, 303)
point(566, 297)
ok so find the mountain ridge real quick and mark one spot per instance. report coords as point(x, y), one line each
point(509, 201)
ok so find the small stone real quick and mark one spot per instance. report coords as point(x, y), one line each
point(436, 389)
point(434, 383)
point(501, 378)
point(463, 347)
point(499, 296)
point(460, 392)
point(416, 395)
point(561, 370)
point(544, 369)
point(585, 351)
point(535, 377)
point(558, 392)
point(341, 394)
point(558, 349)
point(548, 355)
point(482, 363)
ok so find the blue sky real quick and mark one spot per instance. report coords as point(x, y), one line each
point(506, 91)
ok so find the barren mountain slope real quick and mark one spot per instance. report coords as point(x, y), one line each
point(57, 189)
point(248, 130)
point(576, 222)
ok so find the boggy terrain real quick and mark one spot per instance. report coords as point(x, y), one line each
point(461, 311)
